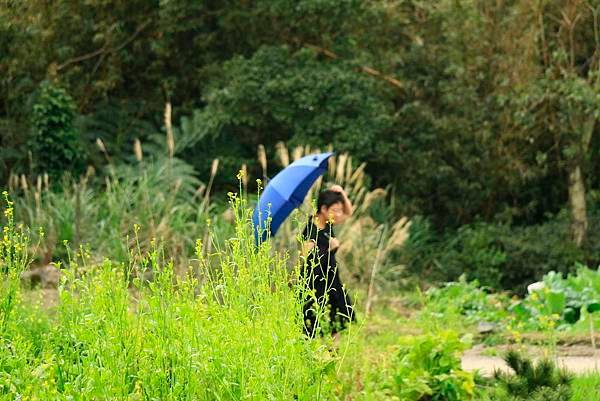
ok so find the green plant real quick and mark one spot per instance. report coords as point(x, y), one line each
point(536, 382)
point(585, 387)
point(162, 197)
point(14, 258)
point(566, 299)
point(497, 255)
point(464, 302)
point(55, 144)
point(229, 327)
point(428, 368)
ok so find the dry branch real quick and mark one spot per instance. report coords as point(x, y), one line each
point(367, 70)
point(104, 49)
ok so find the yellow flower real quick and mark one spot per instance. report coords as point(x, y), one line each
point(468, 386)
point(8, 213)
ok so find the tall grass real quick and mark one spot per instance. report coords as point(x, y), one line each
point(218, 320)
point(586, 387)
point(369, 238)
point(162, 197)
point(13, 260)
point(230, 333)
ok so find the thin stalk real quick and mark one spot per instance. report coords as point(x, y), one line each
point(371, 291)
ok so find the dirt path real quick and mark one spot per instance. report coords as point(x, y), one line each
point(576, 359)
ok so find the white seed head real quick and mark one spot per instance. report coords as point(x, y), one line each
point(137, 150)
point(262, 158)
point(100, 145)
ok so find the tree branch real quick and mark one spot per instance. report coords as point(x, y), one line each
point(367, 70)
point(104, 49)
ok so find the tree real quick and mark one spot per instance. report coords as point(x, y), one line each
point(563, 99)
point(280, 94)
point(55, 144)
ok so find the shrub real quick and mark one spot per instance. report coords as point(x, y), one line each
point(55, 144)
point(531, 382)
point(498, 256)
point(472, 250)
point(562, 301)
point(464, 302)
point(429, 368)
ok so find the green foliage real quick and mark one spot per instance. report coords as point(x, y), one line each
point(117, 124)
point(159, 197)
point(464, 302)
point(14, 258)
point(475, 251)
point(562, 301)
point(229, 328)
point(55, 144)
point(541, 381)
point(585, 387)
point(538, 249)
point(406, 86)
point(557, 304)
point(472, 128)
point(429, 368)
point(283, 94)
point(498, 256)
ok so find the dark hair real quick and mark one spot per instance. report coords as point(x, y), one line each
point(328, 198)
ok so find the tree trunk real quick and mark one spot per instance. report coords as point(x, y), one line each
point(579, 221)
point(577, 199)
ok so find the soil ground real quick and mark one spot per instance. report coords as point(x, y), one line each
point(574, 358)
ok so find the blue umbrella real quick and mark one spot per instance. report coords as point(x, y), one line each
point(285, 192)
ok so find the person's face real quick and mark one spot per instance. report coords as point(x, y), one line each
point(333, 213)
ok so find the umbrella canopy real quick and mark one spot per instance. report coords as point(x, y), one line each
point(285, 192)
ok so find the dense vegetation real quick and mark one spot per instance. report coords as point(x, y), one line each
point(229, 327)
point(135, 134)
point(482, 116)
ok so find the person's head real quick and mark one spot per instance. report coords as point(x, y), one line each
point(330, 206)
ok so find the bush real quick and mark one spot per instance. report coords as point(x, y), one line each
point(464, 302)
point(562, 301)
point(541, 382)
point(55, 144)
point(536, 250)
point(498, 256)
point(429, 368)
point(158, 198)
point(472, 250)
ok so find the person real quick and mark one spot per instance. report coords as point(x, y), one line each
point(326, 296)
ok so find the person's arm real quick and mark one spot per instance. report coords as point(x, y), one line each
point(348, 209)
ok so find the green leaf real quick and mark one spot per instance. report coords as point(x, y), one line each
point(593, 307)
point(572, 315)
point(556, 301)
